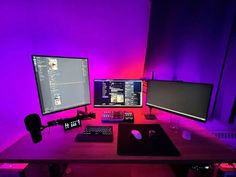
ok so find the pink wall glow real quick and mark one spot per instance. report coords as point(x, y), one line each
point(112, 34)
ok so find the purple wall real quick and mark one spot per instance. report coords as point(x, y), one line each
point(226, 102)
point(112, 34)
point(187, 41)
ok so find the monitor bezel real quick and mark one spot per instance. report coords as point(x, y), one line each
point(38, 84)
point(192, 117)
point(118, 106)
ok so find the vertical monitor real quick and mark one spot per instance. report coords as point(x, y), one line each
point(188, 99)
point(62, 82)
point(117, 93)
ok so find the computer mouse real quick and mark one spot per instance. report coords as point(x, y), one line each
point(137, 135)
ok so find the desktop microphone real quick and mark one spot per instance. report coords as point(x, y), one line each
point(34, 126)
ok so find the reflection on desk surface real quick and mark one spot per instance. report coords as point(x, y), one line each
point(59, 146)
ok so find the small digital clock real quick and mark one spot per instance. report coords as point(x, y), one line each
point(72, 124)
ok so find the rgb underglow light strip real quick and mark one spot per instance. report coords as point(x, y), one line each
point(189, 115)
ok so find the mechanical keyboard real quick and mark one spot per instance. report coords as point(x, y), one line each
point(98, 130)
point(96, 134)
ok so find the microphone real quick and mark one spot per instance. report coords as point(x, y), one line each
point(33, 124)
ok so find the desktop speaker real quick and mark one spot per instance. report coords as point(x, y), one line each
point(34, 126)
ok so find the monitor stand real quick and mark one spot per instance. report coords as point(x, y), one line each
point(85, 114)
point(150, 116)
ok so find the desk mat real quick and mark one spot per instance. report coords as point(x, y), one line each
point(151, 144)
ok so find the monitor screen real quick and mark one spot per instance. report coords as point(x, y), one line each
point(117, 93)
point(188, 99)
point(62, 82)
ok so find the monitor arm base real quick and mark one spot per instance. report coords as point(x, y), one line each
point(80, 115)
point(150, 116)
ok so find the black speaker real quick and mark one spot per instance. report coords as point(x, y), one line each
point(34, 126)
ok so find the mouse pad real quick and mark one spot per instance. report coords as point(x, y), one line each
point(154, 142)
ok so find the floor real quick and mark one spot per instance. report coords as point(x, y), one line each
point(114, 170)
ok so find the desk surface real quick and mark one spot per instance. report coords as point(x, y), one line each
point(58, 146)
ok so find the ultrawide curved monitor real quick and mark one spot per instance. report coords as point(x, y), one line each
point(62, 82)
point(188, 99)
point(117, 93)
